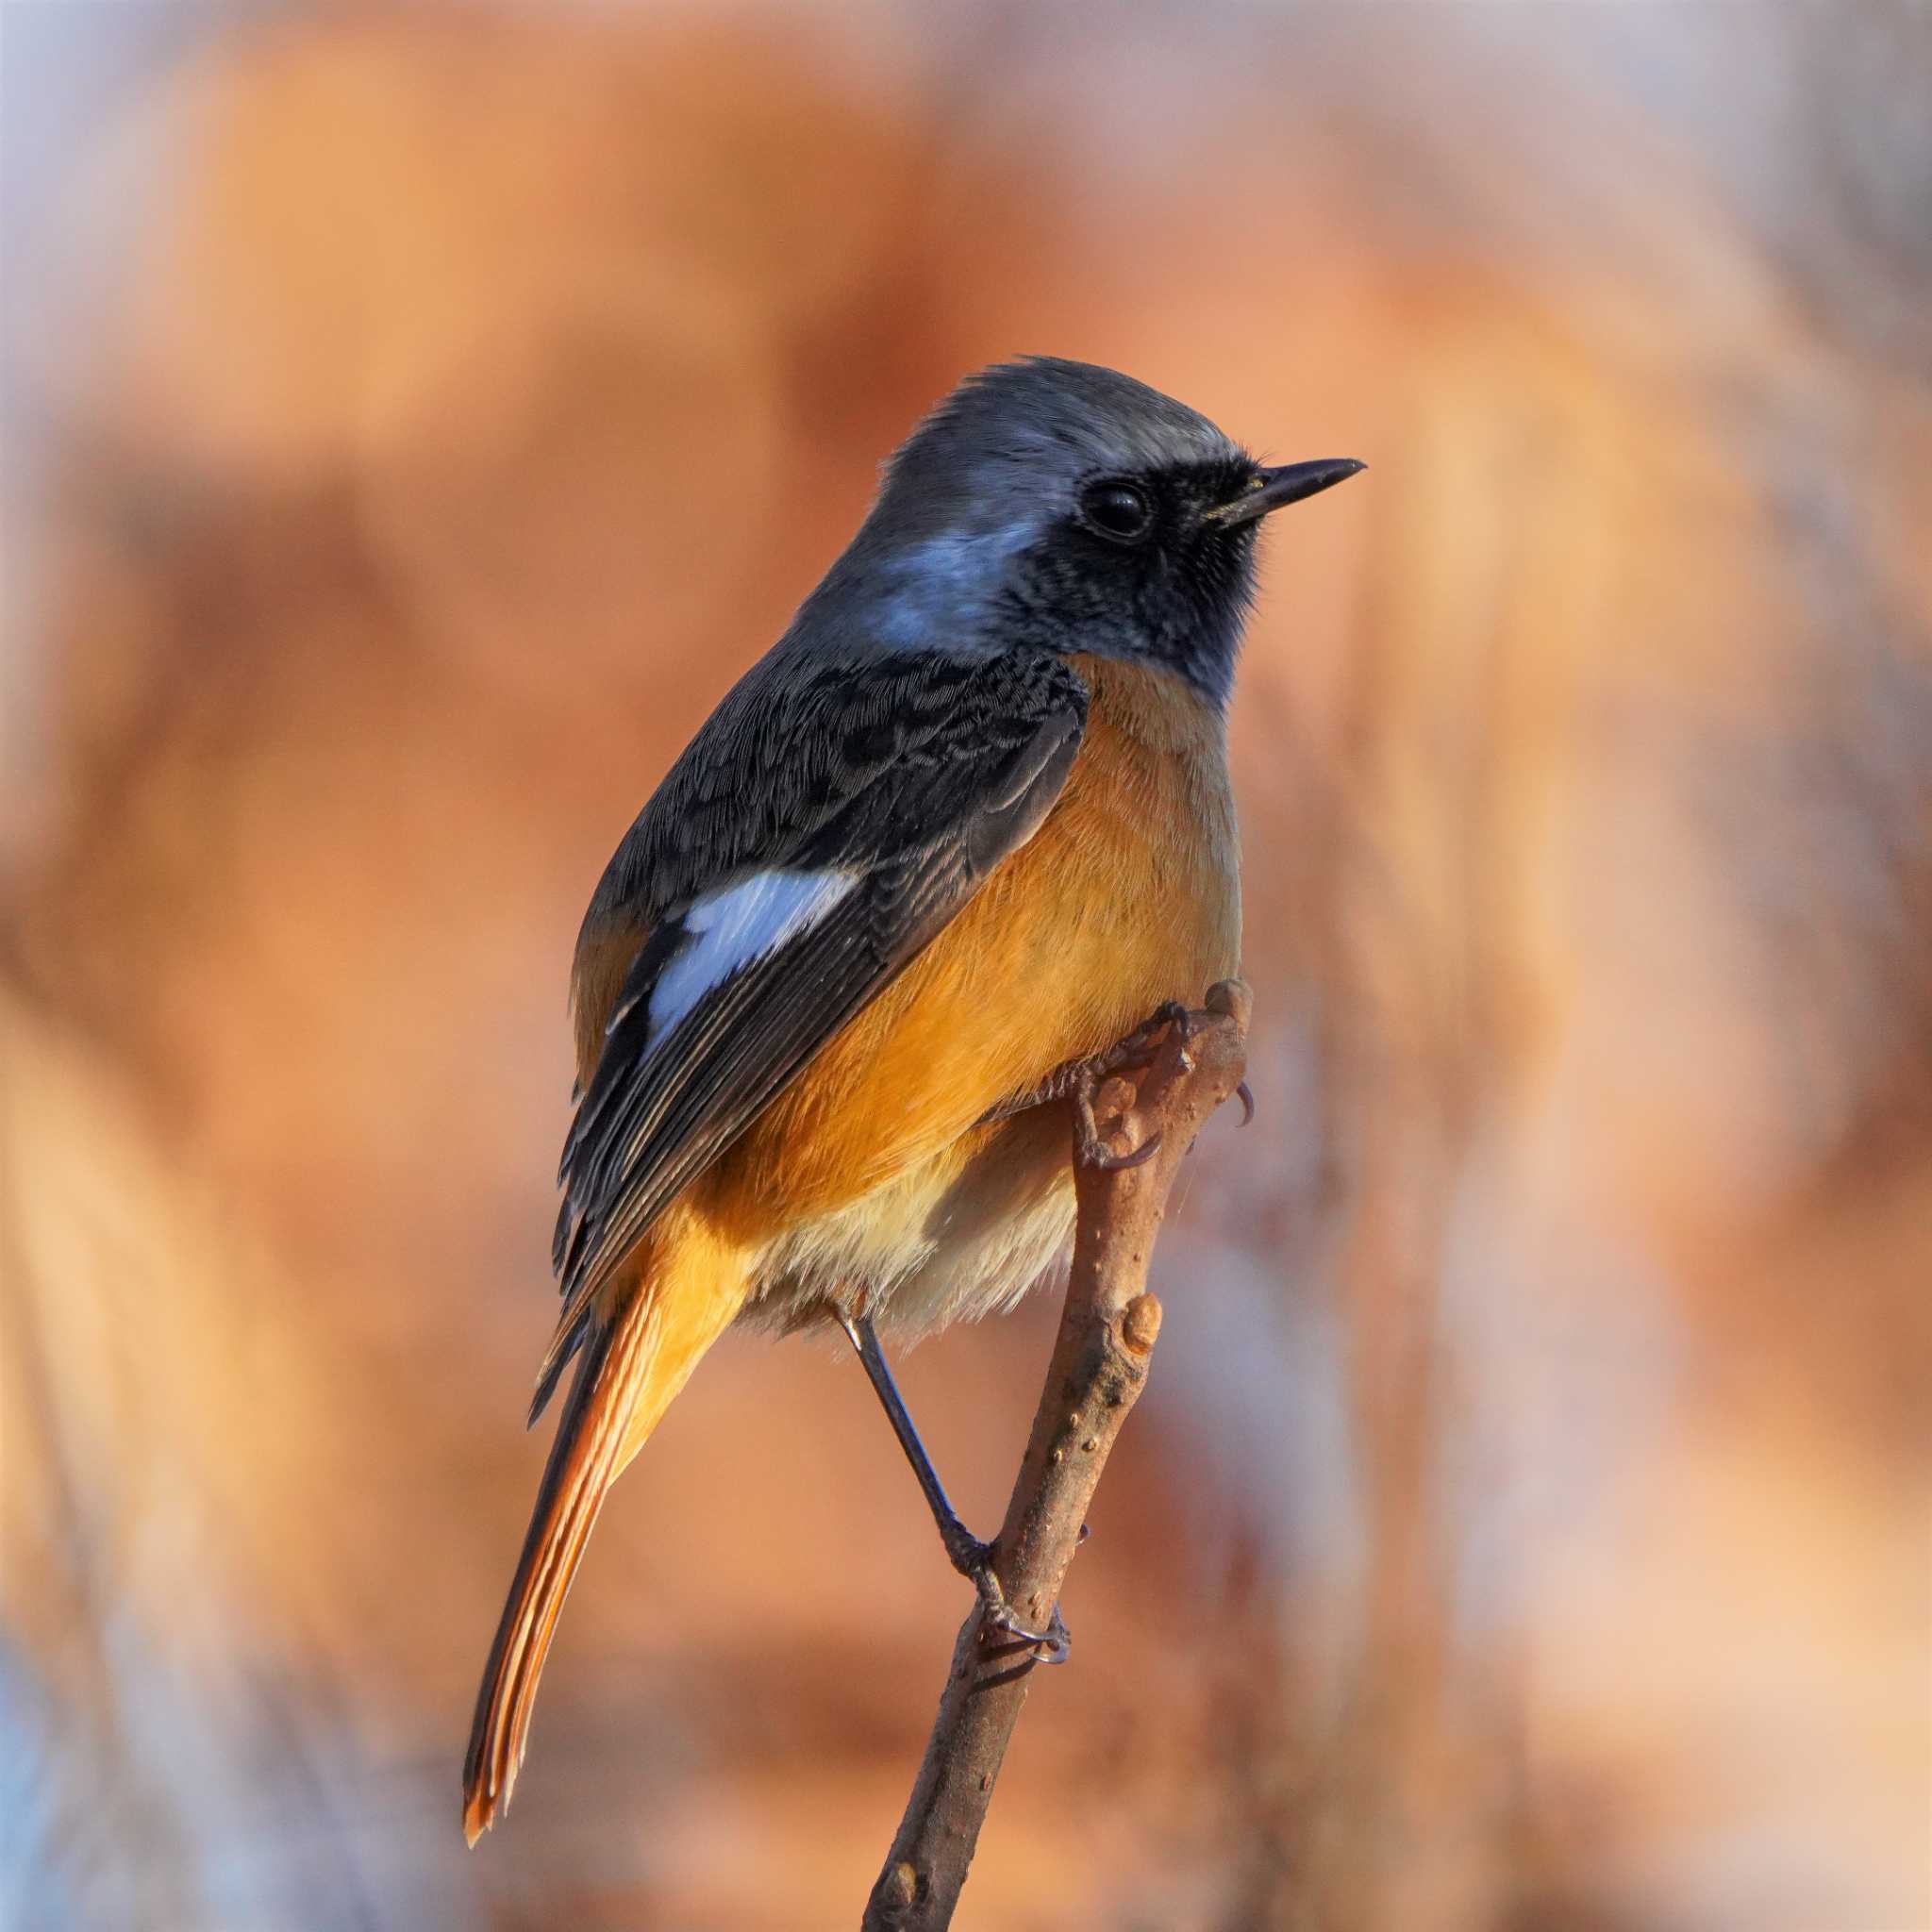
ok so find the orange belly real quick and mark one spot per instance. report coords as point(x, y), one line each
point(1128, 896)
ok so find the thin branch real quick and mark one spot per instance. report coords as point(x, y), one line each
point(1099, 1364)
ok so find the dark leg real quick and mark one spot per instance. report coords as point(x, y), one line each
point(970, 1558)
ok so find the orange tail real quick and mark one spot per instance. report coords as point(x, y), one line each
point(633, 1363)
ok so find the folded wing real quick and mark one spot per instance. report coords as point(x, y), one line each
point(912, 794)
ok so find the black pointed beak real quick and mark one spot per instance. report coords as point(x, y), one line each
point(1271, 489)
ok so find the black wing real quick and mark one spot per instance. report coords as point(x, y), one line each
point(913, 780)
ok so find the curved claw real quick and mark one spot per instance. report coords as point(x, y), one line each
point(1057, 1646)
point(1099, 1154)
point(1055, 1640)
point(1245, 1096)
point(1095, 1151)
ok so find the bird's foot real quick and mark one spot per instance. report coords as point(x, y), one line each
point(1135, 1050)
point(1093, 1150)
point(1054, 1644)
point(972, 1559)
point(1079, 1081)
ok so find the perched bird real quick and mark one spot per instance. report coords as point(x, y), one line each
point(964, 826)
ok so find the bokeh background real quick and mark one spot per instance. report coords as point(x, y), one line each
point(415, 416)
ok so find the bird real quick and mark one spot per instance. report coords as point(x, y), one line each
point(964, 826)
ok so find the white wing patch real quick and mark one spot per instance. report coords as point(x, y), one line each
point(729, 928)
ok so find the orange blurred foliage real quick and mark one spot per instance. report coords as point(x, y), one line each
point(417, 416)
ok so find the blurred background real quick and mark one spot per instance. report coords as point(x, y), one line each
point(415, 416)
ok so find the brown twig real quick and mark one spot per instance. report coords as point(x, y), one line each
point(1099, 1364)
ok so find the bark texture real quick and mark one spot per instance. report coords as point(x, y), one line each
point(1100, 1360)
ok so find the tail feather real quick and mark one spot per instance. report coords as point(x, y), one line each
point(632, 1363)
point(576, 1479)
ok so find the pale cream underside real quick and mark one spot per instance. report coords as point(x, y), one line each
point(938, 1245)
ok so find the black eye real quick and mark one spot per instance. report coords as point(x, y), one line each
point(1120, 510)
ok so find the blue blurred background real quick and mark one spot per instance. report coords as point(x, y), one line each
point(415, 416)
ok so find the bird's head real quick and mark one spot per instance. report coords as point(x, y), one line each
point(1069, 507)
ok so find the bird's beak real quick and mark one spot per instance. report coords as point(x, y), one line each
point(1271, 489)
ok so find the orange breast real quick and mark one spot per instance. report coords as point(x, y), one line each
point(1129, 894)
